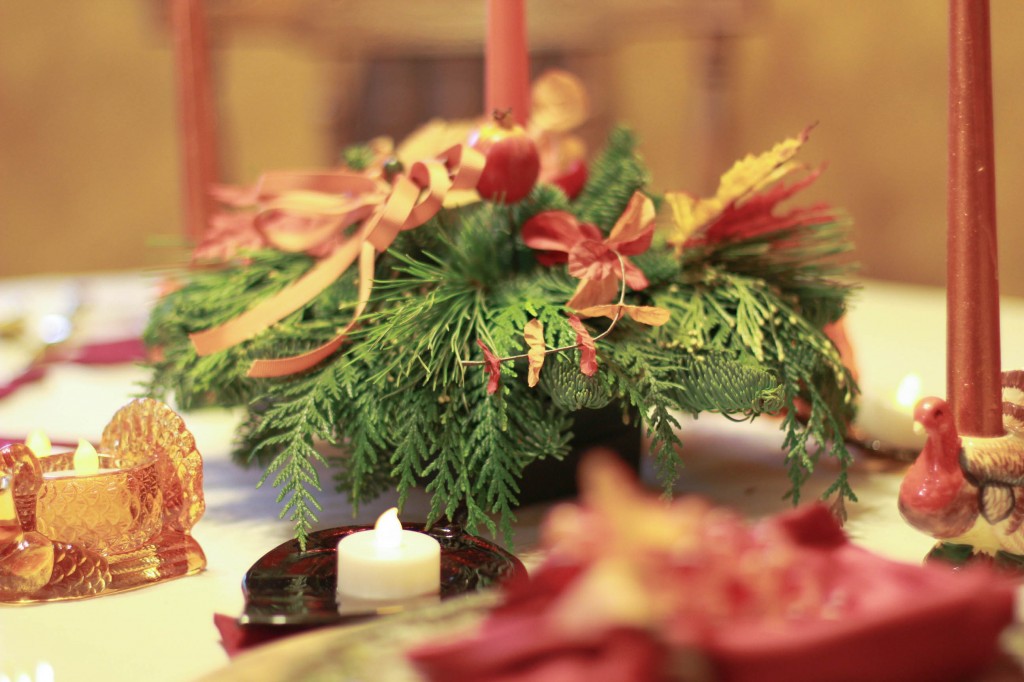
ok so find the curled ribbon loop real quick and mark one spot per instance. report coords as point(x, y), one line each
point(316, 223)
point(413, 199)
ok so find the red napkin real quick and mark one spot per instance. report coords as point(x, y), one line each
point(894, 622)
point(103, 353)
point(108, 352)
point(237, 639)
point(29, 376)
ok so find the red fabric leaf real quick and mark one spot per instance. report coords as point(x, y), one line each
point(552, 231)
point(634, 229)
point(588, 350)
point(492, 366)
point(591, 292)
point(591, 259)
point(551, 258)
point(573, 179)
point(756, 215)
point(555, 233)
point(591, 231)
point(635, 277)
point(595, 260)
point(644, 314)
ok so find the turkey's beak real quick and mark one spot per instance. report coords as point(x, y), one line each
point(918, 427)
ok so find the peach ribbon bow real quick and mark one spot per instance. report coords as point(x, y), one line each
point(413, 198)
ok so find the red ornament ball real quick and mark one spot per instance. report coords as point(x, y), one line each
point(513, 163)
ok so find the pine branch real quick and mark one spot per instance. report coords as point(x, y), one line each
point(414, 442)
point(648, 379)
point(212, 297)
point(717, 382)
point(614, 176)
point(303, 413)
point(774, 356)
point(443, 473)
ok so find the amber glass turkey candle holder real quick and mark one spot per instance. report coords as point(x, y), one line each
point(112, 511)
point(67, 532)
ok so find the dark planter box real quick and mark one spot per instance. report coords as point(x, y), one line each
point(551, 479)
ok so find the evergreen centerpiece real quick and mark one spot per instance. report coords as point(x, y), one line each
point(567, 303)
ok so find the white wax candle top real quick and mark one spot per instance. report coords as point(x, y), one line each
point(388, 562)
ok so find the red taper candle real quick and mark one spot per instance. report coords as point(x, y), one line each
point(972, 278)
point(195, 114)
point(507, 62)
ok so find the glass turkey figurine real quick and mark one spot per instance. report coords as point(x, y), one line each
point(87, 523)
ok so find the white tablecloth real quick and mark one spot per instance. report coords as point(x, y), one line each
point(166, 631)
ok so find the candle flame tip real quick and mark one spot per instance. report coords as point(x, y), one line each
point(85, 461)
point(388, 530)
point(38, 442)
point(909, 390)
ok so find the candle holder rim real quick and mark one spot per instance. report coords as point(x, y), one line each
point(276, 597)
point(150, 461)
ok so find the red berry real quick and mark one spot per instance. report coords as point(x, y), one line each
point(573, 179)
point(513, 163)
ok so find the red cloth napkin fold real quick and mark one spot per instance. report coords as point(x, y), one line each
point(29, 376)
point(108, 352)
point(883, 620)
point(237, 639)
point(103, 353)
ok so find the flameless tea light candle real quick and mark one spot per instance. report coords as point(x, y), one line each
point(83, 460)
point(93, 500)
point(388, 562)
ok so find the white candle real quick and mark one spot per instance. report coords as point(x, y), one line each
point(888, 415)
point(388, 562)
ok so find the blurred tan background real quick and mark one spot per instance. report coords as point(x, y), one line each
point(89, 175)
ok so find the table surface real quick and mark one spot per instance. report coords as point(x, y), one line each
point(166, 631)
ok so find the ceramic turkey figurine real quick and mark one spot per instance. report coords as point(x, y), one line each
point(967, 491)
